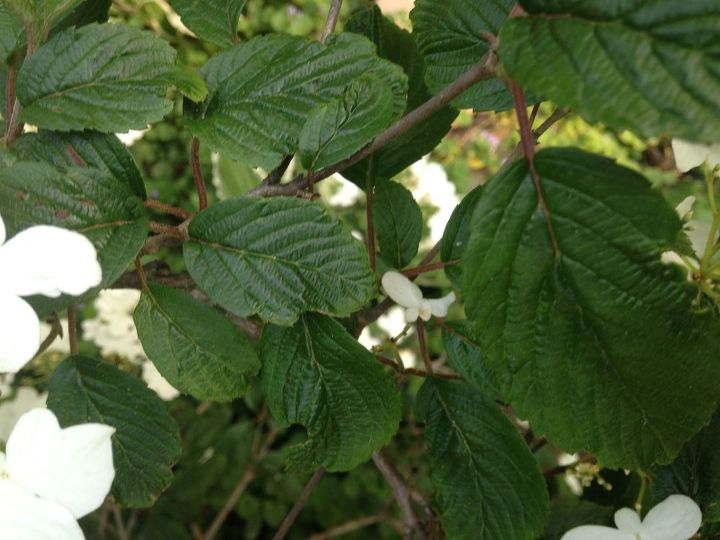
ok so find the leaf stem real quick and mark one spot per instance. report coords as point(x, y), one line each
point(299, 504)
point(197, 173)
point(423, 347)
point(141, 273)
point(72, 328)
point(401, 492)
point(167, 209)
point(370, 199)
point(332, 19)
point(423, 268)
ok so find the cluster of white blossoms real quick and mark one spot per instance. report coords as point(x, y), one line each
point(41, 260)
point(675, 518)
point(51, 477)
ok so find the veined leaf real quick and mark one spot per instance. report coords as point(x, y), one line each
point(214, 21)
point(465, 357)
point(599, 346)
point(488, 485)
point(315, 374)
point(83, 149)
point(11, 29)
point(194, 347)
point(146, 444)
point(398, 46)
point(398, 223)
point(337, 129)
point(86, 200)
point(457, 234)
point(449, 35)
point(650, 66)
point(232, 178)
point(277, 258)
point(107, 77)
point(262, 91)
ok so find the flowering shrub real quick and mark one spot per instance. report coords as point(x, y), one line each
point(561, 308)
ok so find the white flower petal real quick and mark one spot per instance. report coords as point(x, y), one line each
point(596, 532)
point(23, 516)
point(425, 310)
point(439, 306)
point(71, 466)
point(676, 518)
point(2, 231)
point(627, 520)
point(401, 289)
point(25, 399)
point(49, 261)
point(19, 333)
point(689, 155)
point(411, 314)
point(684, 209)
point(157, 382)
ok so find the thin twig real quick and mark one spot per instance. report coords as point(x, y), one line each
point(349, 527)
point(400, 492)
point(72, 328)
point(197, 173)
point(119, 525)
point(482, 70)
point(369, 203)
point(299, 504)
point(142, 278)
point(424, 268)
point(278, 172)
point(332, 20)
point(167, 209)
point(416, 372)
point(423, 346)
point(551, 120)
point(55, 331)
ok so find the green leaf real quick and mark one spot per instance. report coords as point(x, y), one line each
point(598, 347)
point(457, 234)
point(277, 258)
point(398, 46)
point(465, 357)
point(11, 30)
point(488, 485)
point(83, 149)
point(262, 91)
point(566, 515)
point(42, 13)
point(86, 200)
point(658, 62)
point(232, 178)
point(146, 444)
point(87, 12)
point(695, 472)
point(194, 347)
point(189, 83)
point(315, 374)
point(398, 223)
point(215, 21)
point(337, 129)
point(107, 77)
point(449, 35)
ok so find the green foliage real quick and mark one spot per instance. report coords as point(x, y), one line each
point(457, 234)
point(560, 329)
point(262, 91)
point(566, 514)
point(669, 84)
point(450, 37)
point(300, 258)
point(146, 442)
point(315, 374)
point(488, 484)
point(465, 357)
point(215, 22)
point(194, 347)
point(123, 85)
point(11, 30)
point(398, 223)
point(342, 126)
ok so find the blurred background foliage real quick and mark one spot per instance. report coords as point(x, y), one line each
point(222, 442)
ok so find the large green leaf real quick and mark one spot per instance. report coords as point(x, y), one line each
point(316, 375)
point(232, 178)
point(488, 485)
point(449, 35)
point(262, 91)
point(599, 345)
point(651, 66)
point(146, 444)
point(11, 29)
point(465, 357)
point(214, 21)
point(398, 223)
point(86, 200)
point(398, 46)
point(695, 472)
point(194, 347)
point(337, 129)
point(107, 77)
point(457, 234)
point(83, 149)
point(277, 258)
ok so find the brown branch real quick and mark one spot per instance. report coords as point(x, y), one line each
point(528, 144)
point(332, 20)
point(416, 372)
point(401, 493)
point(197, 173)
point(551, 120)
point(168, 209)
point(484, 69)
point(420, 325)
point(299, 504)
point(424, 268)
point(277, 173)
point(55, 332)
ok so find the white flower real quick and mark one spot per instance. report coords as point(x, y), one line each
point(408, 295)
point(51, 477)
point(113, 330)
point(676, 518)
point(435, 189)
point(685, 208)
point(690, 155)
point(157, 382)
point(40, 260)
